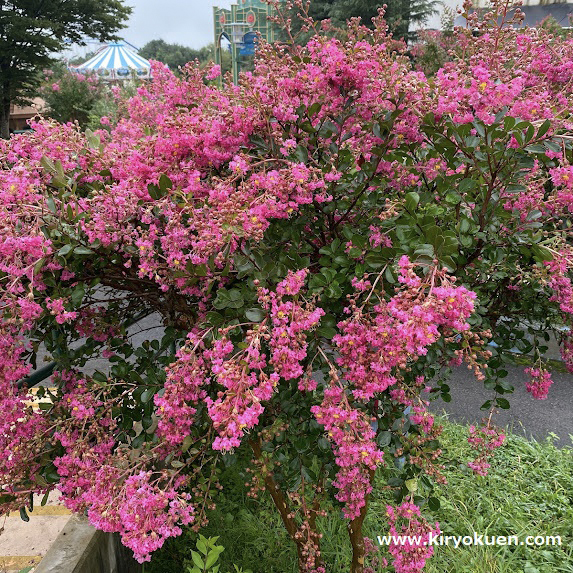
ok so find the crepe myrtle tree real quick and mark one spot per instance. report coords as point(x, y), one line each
point(324, 242)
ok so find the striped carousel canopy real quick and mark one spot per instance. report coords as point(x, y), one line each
point(115, 62)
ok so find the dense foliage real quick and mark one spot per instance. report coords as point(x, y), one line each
point(323, 242)
point(175, 55)
point(31, 32)
point(401, 15)
point(72, 96)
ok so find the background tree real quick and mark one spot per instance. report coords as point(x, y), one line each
point(71, 96)
point(175, 55)
point(433, 48)
point(31, 32)
point(400, 14)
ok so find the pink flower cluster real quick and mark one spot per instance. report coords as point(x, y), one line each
point(421, 417)
point(185, 378)
point(373, 348)
point(145, 507)
point(238, 407)
point(78, 398)
point(56, 307)
point(539, 382)
point(145, 514)
point(484, 440)
point(355, 450)
point(291, 321)
point(406, 521)
point(22, 429)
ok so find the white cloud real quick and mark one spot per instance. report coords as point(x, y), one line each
point(189, 23)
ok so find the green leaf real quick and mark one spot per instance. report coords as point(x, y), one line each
point(197, 560)
point(326, 331)
point(92, 139)
point(187, 443)
point(255, 314)
point(78, 295)
point(213, 557)
point(51, 204)
point(412, 200)
point(389, 276)
point(384, 438)
point(425, 249)
point(202, 546)
point(375, 260)
point(165, 184)
point(64, 250)
point(24, 514)
point(411, 485)
point(214, 318)
point(535, 148)
point(453, 198)
point(314, 109)
point(466, 185)
point(48, 164)
point(155, 192)
point(434, 503)
point(45, 499)
point(479, 127)
point(146, 395)
point(502, 403)
point(543, 128)
point(542, 253)
point(82, 251)
point(301, 153)
point(99, 376)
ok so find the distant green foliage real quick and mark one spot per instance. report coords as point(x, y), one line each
point(175, 55)
point(554, 27)
point(82, 98)
point(400, 14)
point(71, 96)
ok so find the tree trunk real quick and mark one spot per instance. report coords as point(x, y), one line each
point(281, 504)
point(357, 537)
point(357, 542)
point(5, 117)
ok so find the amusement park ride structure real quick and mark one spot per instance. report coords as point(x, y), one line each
point(116, 62)
point(241, 26)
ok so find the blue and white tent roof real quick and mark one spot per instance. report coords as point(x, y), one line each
point(116, 61)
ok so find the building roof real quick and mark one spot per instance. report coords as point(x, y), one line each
point(26, 111)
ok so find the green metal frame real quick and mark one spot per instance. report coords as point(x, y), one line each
point(250, 16)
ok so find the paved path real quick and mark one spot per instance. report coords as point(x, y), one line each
point(23, 544)
point(528, 416)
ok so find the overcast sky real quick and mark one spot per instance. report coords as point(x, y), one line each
point(187, 22)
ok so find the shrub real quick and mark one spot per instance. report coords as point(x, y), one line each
point(323, 243)
point(72, 96)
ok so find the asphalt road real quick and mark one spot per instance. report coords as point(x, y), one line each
point(528, 416)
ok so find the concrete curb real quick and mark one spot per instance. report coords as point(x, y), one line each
point(80, 548)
